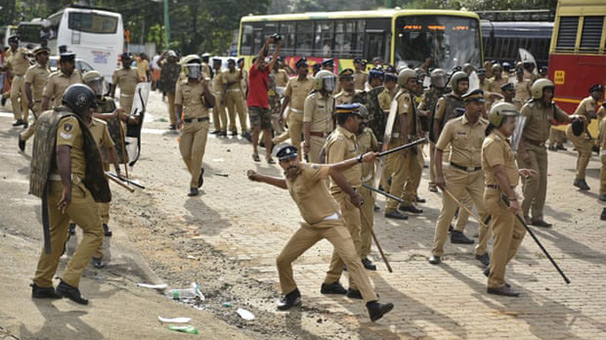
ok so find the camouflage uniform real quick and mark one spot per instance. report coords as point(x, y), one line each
point(376, 117)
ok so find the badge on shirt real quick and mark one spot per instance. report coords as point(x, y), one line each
point(67, 127)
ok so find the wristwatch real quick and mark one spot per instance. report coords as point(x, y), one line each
point(359, 158)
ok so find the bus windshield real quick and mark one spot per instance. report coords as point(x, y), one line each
point(449, 41)
point(31, 33)
point(90, 22)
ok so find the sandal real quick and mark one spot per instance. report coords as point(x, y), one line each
point(270, 160)
point(256, 157)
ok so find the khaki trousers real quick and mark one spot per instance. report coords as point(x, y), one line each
point(583, 144)
point(317, 143)
point(368, 208)
point(603, 174)
point(463, 215)
point(84, 212)
point(295, 128)
point(508, 234)
point(351, 217)
point(172, 114)
point(126, 102)
point(235, 104)
point(405, 176)
point(432, 169)
point(31, 129)
point(535, 188)
point(334, 232)
point(219, 114)
point(192, 144)
point(19, 99)
point(556, 136)
point(459, 182)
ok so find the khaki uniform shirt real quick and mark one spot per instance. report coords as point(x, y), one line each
point(360, 78)
point(127, 80)
point(406, 110)
point(495, 85)
point(37, 76)
point(539, 118)
point(497, 150)
point(523, 92)
point(232, 79)
point(311, 195)
point(298, 90)
point(318, 112)
point(100, 132)
point(219, 81)
point(602, 137)
point(244, 81)
point(57, 83)
point(601, 113)
point(367, 142)
point(281, 78)
point(191, 96)
point(466, 140)
point(385, 99)
point(342, 145)
point(70, 134)
point(587, 107)
point(142, 67)
point(17, 62)
point(344, 97)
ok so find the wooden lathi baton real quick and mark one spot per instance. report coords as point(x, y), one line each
point(461, 205)
point(403, 147)
point(118, 181)
point(374, 237)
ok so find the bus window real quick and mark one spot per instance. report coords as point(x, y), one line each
point(92, 23)
point(305, 33)
point(344, 38)
point(592, 32)
point(287, 31)
point(359, 38)
point(270, 28)
point(323, 38)
point(567, 33)
point(247, 39)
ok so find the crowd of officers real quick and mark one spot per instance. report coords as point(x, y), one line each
point(328, 119)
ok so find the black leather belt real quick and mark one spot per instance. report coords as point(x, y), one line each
point(190, 120)
point(466, 168)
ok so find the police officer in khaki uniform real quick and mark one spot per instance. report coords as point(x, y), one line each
point(539, 113)
point(192, 101)
point(35, 79)
point(17, 64)
point(59, 80)
point(465, 136)
point(522, 87)
point(219, 113)
point(126, 78)
point(498, 79)
point(501, 178)
point(508, 91)
point(360, 77)
point(75, 182)
point(306, 184)
point(234, 98)
point(584, 142)
point(348, 90)
point(297, 90)
point(318, 115)
point(342, 145)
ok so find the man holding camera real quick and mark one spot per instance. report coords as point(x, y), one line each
point(258, 98)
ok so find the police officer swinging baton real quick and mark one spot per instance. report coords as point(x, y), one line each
point(534, 237)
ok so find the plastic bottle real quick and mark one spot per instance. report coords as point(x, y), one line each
point(189, 329)
point(187, 293)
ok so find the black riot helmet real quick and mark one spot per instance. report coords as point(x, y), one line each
point(79, 98)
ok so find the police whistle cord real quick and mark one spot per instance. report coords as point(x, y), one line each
point(374, 237)
point(534, 237)
point(466, 208)
point(402, 147)
point(119, 181)
point(127, 180)
point(386, 194)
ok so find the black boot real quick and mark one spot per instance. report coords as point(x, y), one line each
point(44, 292)
point(71, 293)
point(21, 144)
point(354, 294)
point(368, 264)
point(333, 288)
point(457, 237)
point(201, 178)
point(377, 310)
point(106, 230)
point(290, 300)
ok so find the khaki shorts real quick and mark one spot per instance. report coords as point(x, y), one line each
point(259, 117)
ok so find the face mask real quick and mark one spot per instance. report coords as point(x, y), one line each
point(193, 70)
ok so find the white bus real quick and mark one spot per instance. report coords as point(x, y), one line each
point(95, 35)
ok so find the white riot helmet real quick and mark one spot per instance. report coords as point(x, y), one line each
point(439, 78)
point(96, 82)
point(325, 80)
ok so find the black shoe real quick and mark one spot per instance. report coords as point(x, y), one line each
point(290, 300)
point(450, 228)
point(484, 258)
point(560, 147)
point(98, 263)
point(368, 264)
point(503, 291)
point(21, 144)
point(201, 178)
point(44, 292)
point(234, 132)
point(487, 272)
point(106, 230)
point(420, 200)
point(193, 192)
point(71, 293)
point(410, 208)
point(333, 288)
point(377, 310)
point(354, 294)
point(19, 122)
point(246, 135)
point(216, 132)
point(603, 197)
point(25, 125)
point(541, 223)
point(457, 237)
point(71, 229)
point(581, 184)
point(552, 148)
point(172, 127)
point(396, 215)
point(2, 100)
point(435, 259)
point(603, 215)
point(223, 134)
